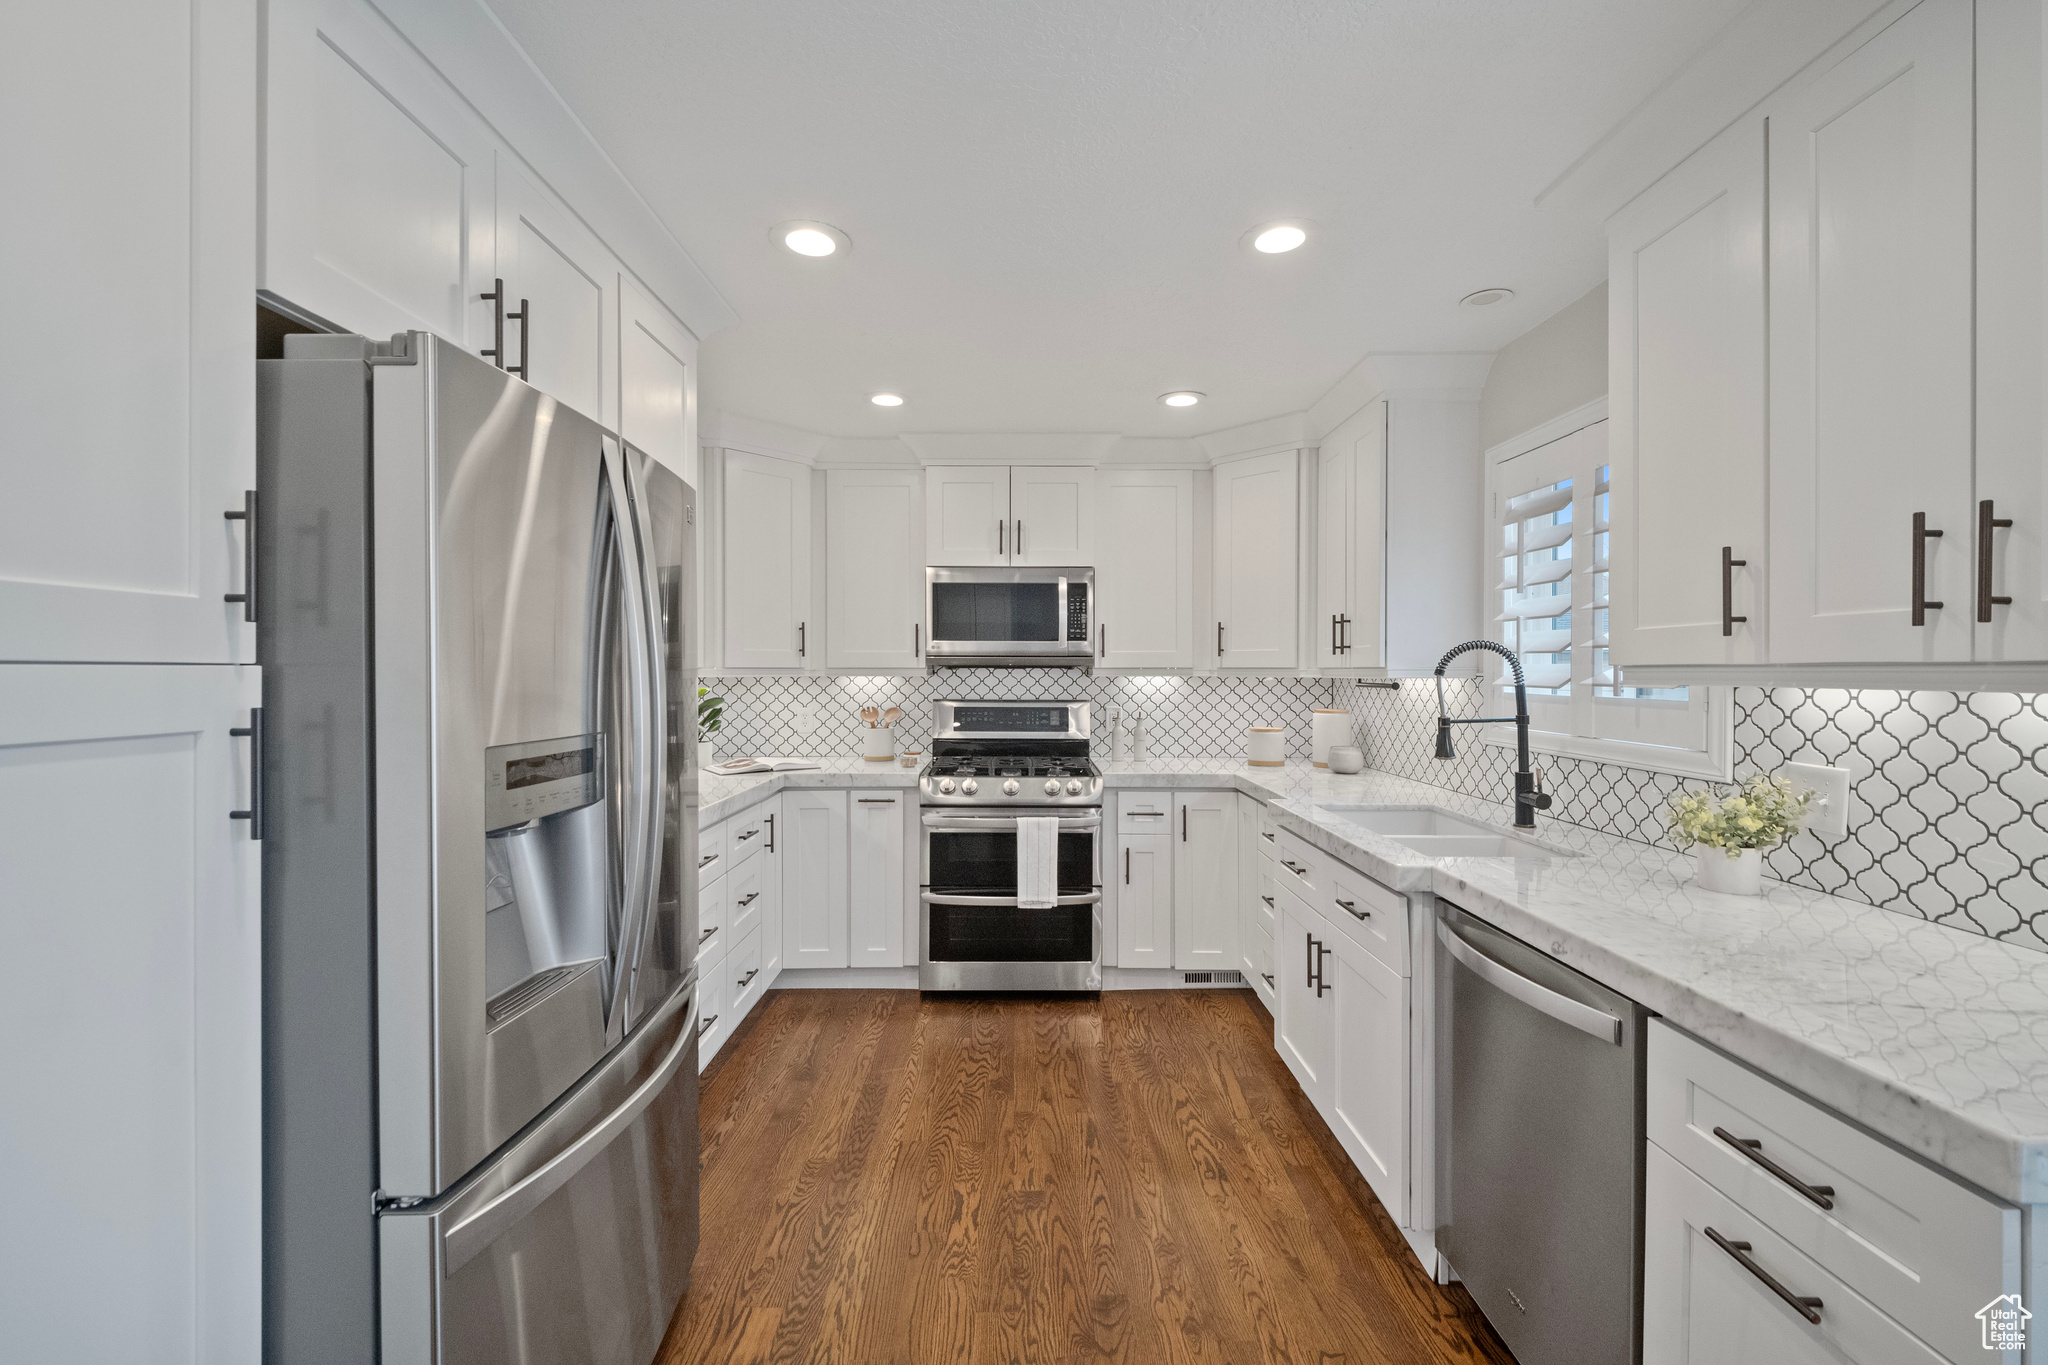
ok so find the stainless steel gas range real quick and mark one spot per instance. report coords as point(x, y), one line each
point(994, 763)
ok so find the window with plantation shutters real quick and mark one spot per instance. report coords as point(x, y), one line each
point(1548, 603)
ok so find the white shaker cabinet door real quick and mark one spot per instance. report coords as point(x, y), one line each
point(1144, 900)
point(1369, 1077)
point(1052, 514)
point(875, 880)
point(1336, 535)
point(1870, 345)
point(874, 569)
point(1205, 890)
point(564, 285)
point(657, 383)
point(1255, 545)
point(1145, 570)
point(1686, 439)
point(133, 1128)
point(814, 879)
point(967, 515)
point(377, 182)
point(767, 536)
point(1304, 1024)
point(128, 377)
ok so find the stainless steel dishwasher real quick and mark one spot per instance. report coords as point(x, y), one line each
point(1539, 1146)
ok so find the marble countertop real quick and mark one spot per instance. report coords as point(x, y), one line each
point(1932, 1037)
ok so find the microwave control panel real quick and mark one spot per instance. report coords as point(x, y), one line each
point(1077, 611)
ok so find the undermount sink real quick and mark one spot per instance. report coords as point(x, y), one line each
point(1437, 834)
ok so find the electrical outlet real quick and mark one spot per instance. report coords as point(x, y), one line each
point(1828, 816)
point(804, 719)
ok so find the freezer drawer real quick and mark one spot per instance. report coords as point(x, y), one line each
point(573, 1245)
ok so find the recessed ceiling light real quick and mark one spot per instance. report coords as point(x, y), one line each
point(810, 239)
point(886, 400)
point(1486, 298)
point(1277, 238)
point(1180, 398)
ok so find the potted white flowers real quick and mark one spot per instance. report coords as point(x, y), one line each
point(1729, 833)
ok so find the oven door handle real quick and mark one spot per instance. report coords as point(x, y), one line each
point(934, 898)
point(991, 824)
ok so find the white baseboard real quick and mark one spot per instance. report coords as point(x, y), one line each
point(847, 979)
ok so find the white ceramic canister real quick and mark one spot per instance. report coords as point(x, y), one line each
point(1346, 758)
point(877, 744)
point(1265, 746)
point(1331, 725)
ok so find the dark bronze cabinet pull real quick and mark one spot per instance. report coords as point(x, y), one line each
point(1805, 1305)
point(1344, 646)
point(1318, 951)
point(1183, 824)
point(1020, 535)
point(247, 516)
point(1356, 913)
point(1269, 979)
point(742, 982)
point(1219, 639)
point(748, 835)
point(800, 639)
point(707, 933)
point(253, 732)
point(1333, 634)
point(1729, 564)
point(1753, 1148)
point(706, 861)
point(496, 350)
point(771, 833)
point(1921, 535)
point(1127, 867)
point(704, 1024)
point(524, 317)
point(916, 640)
point(749, 899)
point(1269, 902)
point(1002, 535)
point(1101, 641)
point(1986, 523)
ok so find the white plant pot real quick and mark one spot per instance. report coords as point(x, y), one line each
point(707, 753)
point(1741, 875)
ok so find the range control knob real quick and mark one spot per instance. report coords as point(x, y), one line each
point(1010, 788)
point(945, 786)
point(1074, 788)
point(968, 787)
point(1052, 786)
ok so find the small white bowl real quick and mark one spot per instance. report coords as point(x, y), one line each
point(1346, 758)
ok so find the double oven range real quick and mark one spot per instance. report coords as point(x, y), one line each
point(992, 764)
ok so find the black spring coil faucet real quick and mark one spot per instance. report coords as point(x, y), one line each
point(1528, 800)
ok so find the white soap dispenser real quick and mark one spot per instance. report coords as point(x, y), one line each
point(1116, 734)
point(1140, 746)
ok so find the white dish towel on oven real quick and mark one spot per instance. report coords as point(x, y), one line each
point(1038, 862)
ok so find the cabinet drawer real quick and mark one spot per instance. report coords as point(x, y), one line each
point(744, 983)
point(712, 909)
point(1923, 1247)
point(711, 859)
point(745, 835)
point(714, 1020)
point(742, 891)
point(1144, 813)
point(1304, 870)
point(1370, 915)
point(1703, 1306)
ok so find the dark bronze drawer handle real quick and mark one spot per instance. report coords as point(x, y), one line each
point(707, 933)
point(749, 977)
point(1356, 913)
point(1753, 1148)
point(748, 899)
point(1297, 871)
point(704, 1024)
point(1805, 1305)
point(748, 835)
point(706, 861)
point(1269, 902)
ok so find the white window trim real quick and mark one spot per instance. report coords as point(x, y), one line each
point(1716, 762)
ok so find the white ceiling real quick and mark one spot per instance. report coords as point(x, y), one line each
point(1046, 199)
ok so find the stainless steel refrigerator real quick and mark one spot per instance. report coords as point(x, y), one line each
point(479, 813)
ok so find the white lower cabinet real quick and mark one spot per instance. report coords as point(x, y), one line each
point(1707, 1299)
point(1144, 900)
point(875, 880)
point(771, 890)
point(1368, 1100)
point(814, 879)
point(1205, 907)
point(1305, 1025)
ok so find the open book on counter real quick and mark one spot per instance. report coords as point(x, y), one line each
point(733, 766)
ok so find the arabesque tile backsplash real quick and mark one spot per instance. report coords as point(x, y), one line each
point(1948, 811)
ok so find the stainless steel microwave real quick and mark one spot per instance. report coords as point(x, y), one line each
point(995, 617)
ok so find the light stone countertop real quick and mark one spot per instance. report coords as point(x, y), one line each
point(1932, 1037)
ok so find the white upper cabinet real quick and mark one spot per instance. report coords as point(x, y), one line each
point(967, 514)
point(766, 531)
point(129, 384)
point(1255, 546)
point(563, 284)
point(1686, 394)
point(1145, 570)
point(1350, 542)
point(377, 212)
point(874, 569)
point(657, 388)
point(1871, 171)
point(1052, 509)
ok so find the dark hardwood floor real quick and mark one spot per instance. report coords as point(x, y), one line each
point(1135, 1177)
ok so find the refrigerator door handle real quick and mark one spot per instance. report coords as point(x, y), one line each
point(479, 1229)
point(639, 851)
point(655, 739)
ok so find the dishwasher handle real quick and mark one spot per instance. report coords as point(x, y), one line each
point(1599, 1023)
